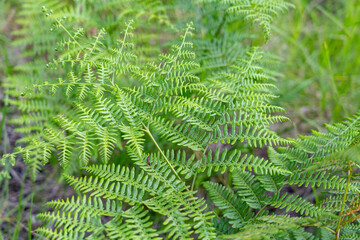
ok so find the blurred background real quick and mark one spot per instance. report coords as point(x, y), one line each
point(319, 42)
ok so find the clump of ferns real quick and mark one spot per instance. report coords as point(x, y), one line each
point(168, 100)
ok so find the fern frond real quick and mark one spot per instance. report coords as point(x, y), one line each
point(280, 160)
point(249, 189)
point(60, 234)
point(86, 206)
point(138, 221)
point(176, 225)
point(86, 148)
point(323, 179)
point(271, 227)
point(297, 204)
point(272, 183)
point(255, 137)
point(234, 209)
point(71, 222)
point(180, 161)
point(339, 137)
point(107, 140)
point(128, 109)
point(223, 227)
point(108, 111)
point(65, 148)
point(129, 178)
point(235, 160)
point(135, 140)
point(184, 135)
point(259, 11)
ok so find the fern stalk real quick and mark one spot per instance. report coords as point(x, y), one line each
point(162, 153)
point(195, 176)
point(337, 232)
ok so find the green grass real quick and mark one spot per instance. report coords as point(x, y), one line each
point(320, 43)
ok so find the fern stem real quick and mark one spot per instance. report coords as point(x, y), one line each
point(320, 226)
point(67, 32)
point(194, 179)
point(4, 116)
point(317, 200)
point(337, 232)
point(162, 153)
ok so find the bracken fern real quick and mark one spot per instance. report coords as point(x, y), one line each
point(150, 124)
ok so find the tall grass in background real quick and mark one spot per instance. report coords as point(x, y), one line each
point(320, 40)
